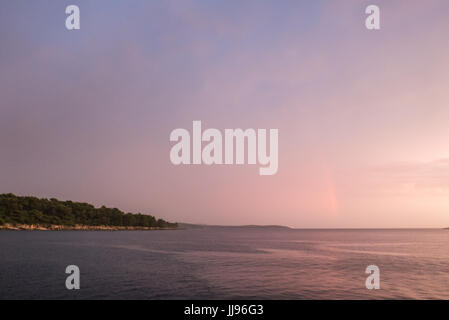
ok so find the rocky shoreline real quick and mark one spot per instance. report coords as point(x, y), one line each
point(38, 227)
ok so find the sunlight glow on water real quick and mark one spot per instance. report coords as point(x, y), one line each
point(226, 263)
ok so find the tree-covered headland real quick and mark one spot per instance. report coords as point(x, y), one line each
point(15, 210)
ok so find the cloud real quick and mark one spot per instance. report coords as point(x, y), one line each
point(408, 177)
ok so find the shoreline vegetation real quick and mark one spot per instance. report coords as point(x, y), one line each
point(53, 227)
point(31, 213)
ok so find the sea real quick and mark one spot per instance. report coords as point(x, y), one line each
point(226, 263)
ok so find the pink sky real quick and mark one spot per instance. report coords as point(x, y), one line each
point(363, 116)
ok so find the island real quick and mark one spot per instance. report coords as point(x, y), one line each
point(31, 213)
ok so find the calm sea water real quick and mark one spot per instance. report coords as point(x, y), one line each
point(225, 263)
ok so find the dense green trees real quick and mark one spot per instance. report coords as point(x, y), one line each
point(31, 210)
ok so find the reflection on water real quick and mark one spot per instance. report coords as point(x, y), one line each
point(226, 263)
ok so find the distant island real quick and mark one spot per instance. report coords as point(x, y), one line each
point(31, 213)
point(251, 226)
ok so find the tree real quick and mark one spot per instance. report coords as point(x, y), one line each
point(31, 210)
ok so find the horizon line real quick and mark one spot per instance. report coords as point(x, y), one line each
point(306, 228)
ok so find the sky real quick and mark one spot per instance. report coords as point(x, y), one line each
point(86, 115)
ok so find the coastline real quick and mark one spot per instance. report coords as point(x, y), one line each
point(38, 227)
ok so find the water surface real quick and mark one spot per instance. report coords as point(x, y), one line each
point(225, 263)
